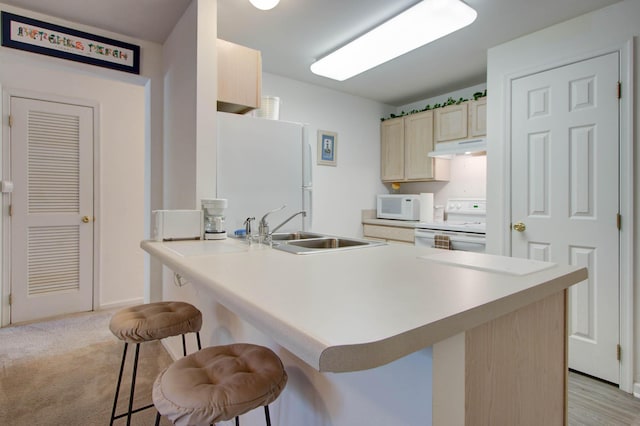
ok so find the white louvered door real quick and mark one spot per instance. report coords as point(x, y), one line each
point(565, 150)
point(52, 203)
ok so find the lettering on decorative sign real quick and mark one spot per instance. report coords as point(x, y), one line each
point(52, 38)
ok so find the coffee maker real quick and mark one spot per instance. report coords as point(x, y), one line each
point(213, 211)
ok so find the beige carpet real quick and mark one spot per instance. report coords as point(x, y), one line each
point(64, 372)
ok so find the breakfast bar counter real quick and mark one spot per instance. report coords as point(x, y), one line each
point(490, 321)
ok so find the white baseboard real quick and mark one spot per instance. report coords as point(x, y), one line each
point(636, 390)
point(121, 304)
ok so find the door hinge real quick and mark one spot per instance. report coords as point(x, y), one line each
point(619, 221)
point(619, 90)
point(618, 352)
point(10, 120)
point(10, 299)
point(10, 210)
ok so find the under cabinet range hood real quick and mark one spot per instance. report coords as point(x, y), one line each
point(463, 147)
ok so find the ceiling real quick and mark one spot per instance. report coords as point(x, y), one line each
point(296, 32)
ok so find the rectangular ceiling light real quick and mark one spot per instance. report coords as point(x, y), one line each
point(421, 24)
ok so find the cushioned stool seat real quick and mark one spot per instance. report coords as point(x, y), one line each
point(145, 323)
point(153, 321)
point(219, 383)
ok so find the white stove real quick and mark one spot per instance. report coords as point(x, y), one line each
point(464, 227)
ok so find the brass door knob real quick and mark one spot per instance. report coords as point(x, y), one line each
point(85, 219)
point(520, 227)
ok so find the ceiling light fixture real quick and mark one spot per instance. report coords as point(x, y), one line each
point(265, 4)
point(423, 23)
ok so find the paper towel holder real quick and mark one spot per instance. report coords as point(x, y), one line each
point(426, 206)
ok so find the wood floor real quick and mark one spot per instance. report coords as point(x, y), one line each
point(596, 403)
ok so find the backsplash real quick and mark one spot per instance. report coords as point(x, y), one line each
point(468, 179)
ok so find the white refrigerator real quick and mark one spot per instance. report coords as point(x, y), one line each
point(263, 165)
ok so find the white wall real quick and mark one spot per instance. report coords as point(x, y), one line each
point(190, 92)
point(206, 98)
point(179, 63)
point(339, 193)
point(125, 141)
point(606, 29)
point(189, 68)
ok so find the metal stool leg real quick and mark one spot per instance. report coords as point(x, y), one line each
point(158, 419)
point(115, 399)
point(237, 421)
point(266, 415)
point(133, 383)
point(184, 344)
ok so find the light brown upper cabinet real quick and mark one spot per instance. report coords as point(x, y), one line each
point(392, 150)
point(478, 118)
point(451, 122)
point(239, 78)
point(405, 143)
point(466, 120)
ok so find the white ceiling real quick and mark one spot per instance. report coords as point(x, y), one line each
point(296, 32)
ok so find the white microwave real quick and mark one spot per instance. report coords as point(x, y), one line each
point(399, 206)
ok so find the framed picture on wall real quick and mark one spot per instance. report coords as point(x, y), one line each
point(327, 148)
point(32, 35)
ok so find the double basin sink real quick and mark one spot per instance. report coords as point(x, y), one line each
point(309, 243)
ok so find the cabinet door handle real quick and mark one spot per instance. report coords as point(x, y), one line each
point(86, 219)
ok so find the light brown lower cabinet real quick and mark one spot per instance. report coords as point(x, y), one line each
point(389, 233)
point(509, 371)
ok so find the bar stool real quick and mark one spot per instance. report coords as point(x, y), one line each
point(145, 323)
point(219, 383)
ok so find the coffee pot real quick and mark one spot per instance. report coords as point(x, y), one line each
point(213, 212)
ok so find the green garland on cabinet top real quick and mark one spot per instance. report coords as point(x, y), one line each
point(448, 102)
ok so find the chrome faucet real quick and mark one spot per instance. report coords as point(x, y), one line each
point(263, 228)
point(303, 213)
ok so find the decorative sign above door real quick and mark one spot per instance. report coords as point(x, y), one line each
point(41, 37)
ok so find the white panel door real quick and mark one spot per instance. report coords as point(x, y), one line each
point(565, 149)
point(52, 209)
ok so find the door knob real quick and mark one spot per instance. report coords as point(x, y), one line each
point(520, 227)
point(85, 219)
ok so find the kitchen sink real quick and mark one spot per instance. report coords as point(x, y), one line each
point(299, 235)
point(328, 243)
point(322, 244)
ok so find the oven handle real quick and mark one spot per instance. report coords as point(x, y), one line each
point(453, 236)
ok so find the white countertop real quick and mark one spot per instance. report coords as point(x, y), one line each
point(362, 308)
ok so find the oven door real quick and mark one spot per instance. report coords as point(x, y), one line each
point(464, 241)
